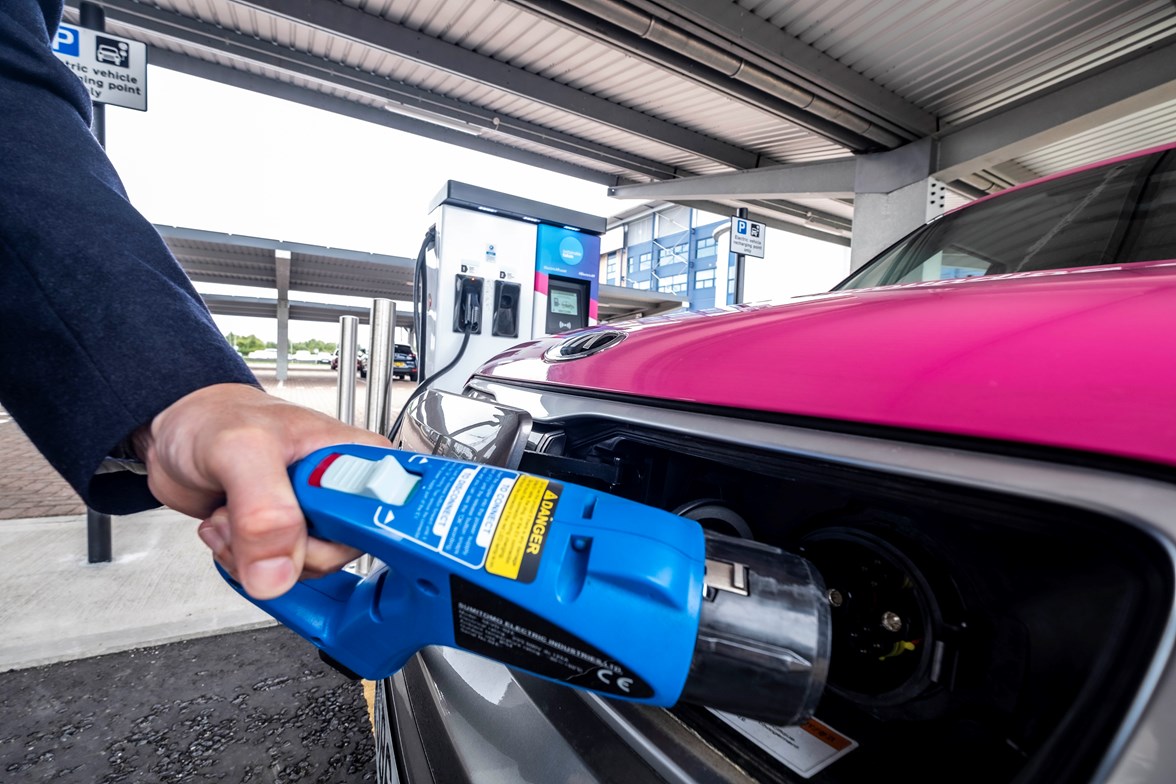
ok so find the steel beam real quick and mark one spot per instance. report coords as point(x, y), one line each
point(825, 179)
point(714, 68)
point(373, 281)
point(487, 127)
point(211, 257)
point(763, 212)
point(346, 22)
point(262, 307)
point(1060, 113)
point(728, 24)
point(178, 235)
point(376, 116)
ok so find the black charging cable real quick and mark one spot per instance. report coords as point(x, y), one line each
point(425, 384)
point(420, 284)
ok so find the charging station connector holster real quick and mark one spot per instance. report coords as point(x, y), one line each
point(505, 323)
point(467, 308)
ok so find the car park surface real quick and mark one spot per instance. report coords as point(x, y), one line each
point(92, 693)
point(980, 465)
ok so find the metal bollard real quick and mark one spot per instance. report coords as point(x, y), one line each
point(345, 389)
point(380, 359)
point(98, 543)
point(381, 355)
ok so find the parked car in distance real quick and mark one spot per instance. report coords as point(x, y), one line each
point(361, 362)
point(404, 364)
point(972, 438)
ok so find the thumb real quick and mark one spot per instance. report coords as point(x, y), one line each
point(267, 532)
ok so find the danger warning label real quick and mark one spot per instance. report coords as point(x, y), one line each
point(522, 529)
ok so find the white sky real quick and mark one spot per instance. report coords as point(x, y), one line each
point(212, 157)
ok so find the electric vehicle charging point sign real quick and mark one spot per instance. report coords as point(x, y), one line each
point(747, 237)
point(113, 69)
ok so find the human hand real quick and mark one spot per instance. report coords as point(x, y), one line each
point(221, 454)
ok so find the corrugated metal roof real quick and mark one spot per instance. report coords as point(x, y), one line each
point(639, 90)
point(1138, 131)
point(964, 58)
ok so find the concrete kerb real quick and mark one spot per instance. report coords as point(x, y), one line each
point(161, 587)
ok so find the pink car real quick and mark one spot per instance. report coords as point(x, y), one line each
point(974, 440)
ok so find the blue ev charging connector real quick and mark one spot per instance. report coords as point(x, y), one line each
point(571, 584)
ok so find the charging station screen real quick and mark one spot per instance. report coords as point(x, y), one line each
point(566, 303)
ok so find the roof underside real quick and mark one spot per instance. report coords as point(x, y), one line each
point(636, 91)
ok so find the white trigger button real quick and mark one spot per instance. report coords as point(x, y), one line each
point(384, 479)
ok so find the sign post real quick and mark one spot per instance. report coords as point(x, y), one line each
point(114, 70)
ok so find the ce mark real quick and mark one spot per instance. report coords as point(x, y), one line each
point(607, 678)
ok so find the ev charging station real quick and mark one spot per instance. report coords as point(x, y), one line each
point(505, 270)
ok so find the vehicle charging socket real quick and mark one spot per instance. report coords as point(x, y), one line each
point(763, 636)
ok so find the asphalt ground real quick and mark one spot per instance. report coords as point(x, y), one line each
point(254, 705)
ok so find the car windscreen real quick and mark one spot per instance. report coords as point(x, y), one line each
point(1114, 214)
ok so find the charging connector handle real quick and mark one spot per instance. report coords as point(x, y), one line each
point(569, 583)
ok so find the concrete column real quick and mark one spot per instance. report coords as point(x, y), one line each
point(282, 276)
point(895, 194)
point(722, 235)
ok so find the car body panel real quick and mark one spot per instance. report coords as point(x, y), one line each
point(1050, 358)
point(1134, 755)
point(963, 425)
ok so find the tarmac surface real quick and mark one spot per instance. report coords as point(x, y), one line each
point(150, 668)
point(253, 706)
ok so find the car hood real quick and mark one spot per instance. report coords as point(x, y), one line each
point(1082, 359)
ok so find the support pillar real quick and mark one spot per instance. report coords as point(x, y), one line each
point(282, 276)
point(722, 235)
point(895, 194)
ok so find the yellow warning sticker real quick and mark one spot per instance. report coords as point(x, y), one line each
point(522, 529)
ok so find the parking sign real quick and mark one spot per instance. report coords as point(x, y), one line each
point(113, 69)
point(747, 237)
point(66, 41)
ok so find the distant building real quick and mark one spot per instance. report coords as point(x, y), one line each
point(671, 249)
point(679, 250)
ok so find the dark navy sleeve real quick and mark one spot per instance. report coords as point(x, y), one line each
point(101, 328)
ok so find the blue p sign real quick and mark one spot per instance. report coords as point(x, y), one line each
point(741, 227)
point(66, 41)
